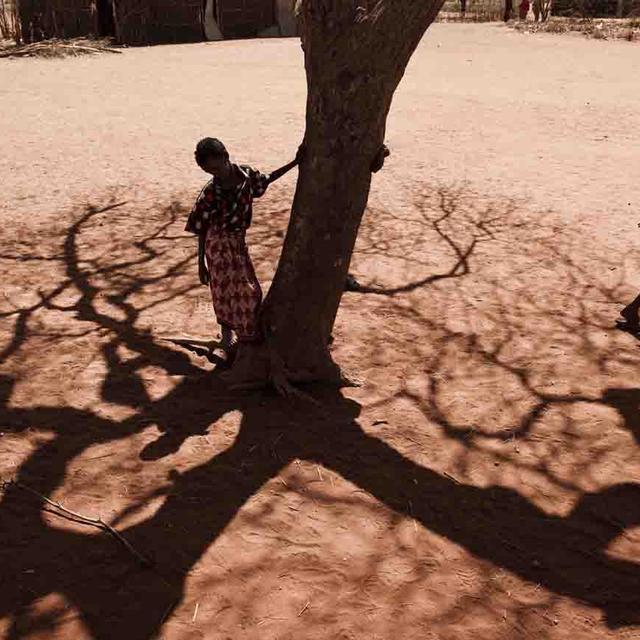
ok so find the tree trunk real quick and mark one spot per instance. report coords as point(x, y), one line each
point(545, 10)
point(355, 56)
point(19, 36)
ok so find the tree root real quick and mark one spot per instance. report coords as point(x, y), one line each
point(261, 366)
point(350, 382)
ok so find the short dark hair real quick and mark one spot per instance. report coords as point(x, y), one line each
point(209, 147)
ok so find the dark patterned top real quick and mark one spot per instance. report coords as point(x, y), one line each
point(228, 210)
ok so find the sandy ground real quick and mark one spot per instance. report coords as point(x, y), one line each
point(483, 483)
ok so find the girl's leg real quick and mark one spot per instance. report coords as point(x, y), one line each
point(245, 304)
point(219, 256)
point(229, 339)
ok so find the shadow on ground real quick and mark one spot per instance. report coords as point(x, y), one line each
point(118, 599)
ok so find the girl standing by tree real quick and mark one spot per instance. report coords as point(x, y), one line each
point(220, 217)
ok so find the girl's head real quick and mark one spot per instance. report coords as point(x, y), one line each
point(212, 157)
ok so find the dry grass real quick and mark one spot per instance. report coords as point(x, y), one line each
point(55, 48)
point(599, 29)
point(476, 11)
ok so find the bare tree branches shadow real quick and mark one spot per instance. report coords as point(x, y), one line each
point(446, 215)
point(627, 403)
point(117, 599)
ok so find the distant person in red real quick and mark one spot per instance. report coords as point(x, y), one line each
point(524, 9)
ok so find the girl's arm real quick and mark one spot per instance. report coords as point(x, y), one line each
point(201, 239)
point(378, 161)
point(376, 164)
point(278, 173)
point(203, 272)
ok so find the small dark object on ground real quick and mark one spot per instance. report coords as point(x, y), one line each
point(351, 284)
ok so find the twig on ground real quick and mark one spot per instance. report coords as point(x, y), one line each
point(58, 510)
point(448, 475)
point(88, 49)
point(306, 606)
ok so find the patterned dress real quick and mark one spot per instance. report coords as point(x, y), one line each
point(223, 216)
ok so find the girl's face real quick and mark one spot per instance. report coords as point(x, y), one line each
point(217, 166)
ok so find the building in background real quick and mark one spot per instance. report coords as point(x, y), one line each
point(596, 8)
point(146, 22)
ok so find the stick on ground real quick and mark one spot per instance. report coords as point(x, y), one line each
point(60, 511)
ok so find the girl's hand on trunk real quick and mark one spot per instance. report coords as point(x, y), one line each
point(301, 153)
point(378, 161)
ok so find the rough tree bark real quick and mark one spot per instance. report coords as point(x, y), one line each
point(356, 52)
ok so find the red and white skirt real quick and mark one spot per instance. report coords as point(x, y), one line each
point(235, 289)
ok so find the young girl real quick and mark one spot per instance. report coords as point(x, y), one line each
point(220, 217)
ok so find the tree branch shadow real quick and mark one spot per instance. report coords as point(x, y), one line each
point(445, 215)
point(566, 555)
point(627, 403)
point(118, 599)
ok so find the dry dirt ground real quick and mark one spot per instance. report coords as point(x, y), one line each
point(483, 484)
